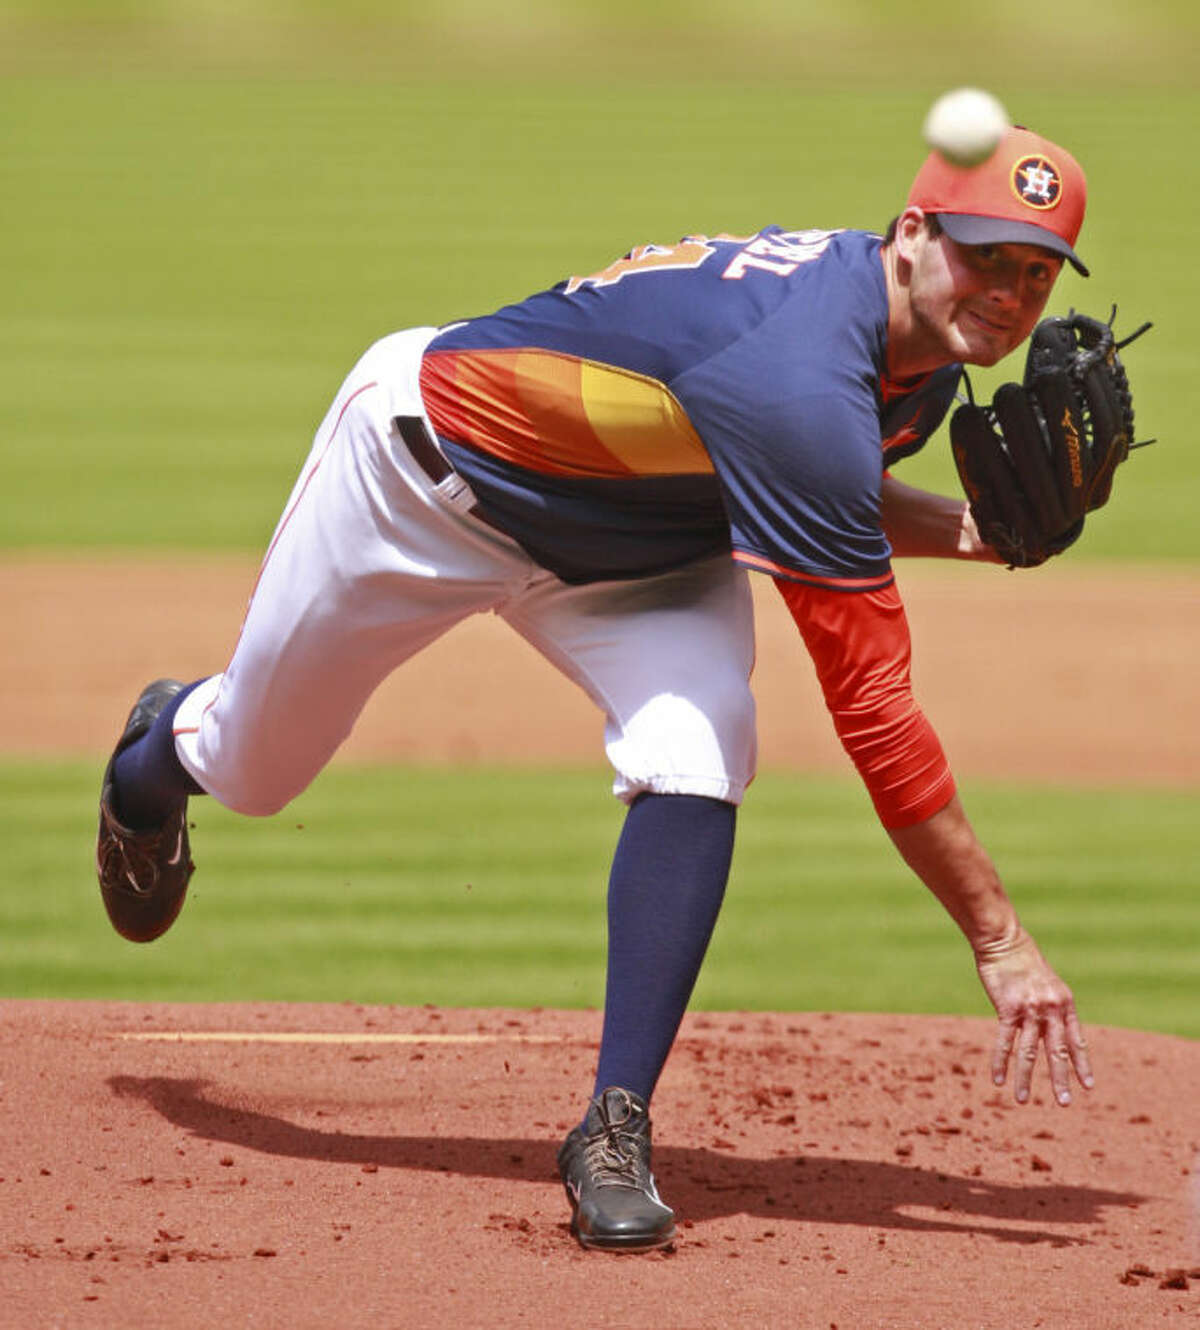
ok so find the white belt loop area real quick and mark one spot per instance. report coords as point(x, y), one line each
point(455, 493)
point(449, 487)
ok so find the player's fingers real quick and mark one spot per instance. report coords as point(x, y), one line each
point(1028, 1042)
point(1077, 1043)
point(1002, 1050)
point(1059, 1057)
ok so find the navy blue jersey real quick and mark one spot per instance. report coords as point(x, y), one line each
point(724, 393)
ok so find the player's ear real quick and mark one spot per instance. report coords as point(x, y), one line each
point(910, 230)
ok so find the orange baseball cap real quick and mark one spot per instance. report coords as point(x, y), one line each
point(1028, 192)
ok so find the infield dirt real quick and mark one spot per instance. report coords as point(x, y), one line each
point(1060, 674)
point(391, 1167)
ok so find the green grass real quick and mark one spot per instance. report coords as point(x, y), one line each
point(484, 887)
point(192, 264)
point(872, 42)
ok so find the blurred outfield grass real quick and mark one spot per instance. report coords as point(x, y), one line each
point(487, 888)
point(887, 42)
point(211, 210)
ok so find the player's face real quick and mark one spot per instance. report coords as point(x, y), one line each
point(979, 302)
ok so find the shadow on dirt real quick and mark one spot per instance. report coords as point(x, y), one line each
point(701, 1184)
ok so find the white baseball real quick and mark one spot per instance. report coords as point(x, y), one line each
point(965, 126)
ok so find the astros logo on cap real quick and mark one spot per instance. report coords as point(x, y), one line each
point(1028, 192)
point(1036, 182)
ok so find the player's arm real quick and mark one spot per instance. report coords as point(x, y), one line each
point(859, 643)
point(1032, 1003)
point(919, 524)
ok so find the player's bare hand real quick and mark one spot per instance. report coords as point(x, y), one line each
point(1035, 1009)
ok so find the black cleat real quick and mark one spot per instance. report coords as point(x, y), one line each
point(605, 1167)
point(143, 874)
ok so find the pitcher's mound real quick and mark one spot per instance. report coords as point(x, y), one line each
point(328, 1166)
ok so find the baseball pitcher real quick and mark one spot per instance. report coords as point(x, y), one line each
point(604, 465)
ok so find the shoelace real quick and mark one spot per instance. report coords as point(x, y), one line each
point(614, 1159)
point(128, 861)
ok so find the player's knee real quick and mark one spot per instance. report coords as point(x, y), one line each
point(257, 806)
point(253, 803)
point(679, 745)
point(253, 794)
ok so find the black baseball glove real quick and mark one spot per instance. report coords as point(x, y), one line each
point(1042, 456)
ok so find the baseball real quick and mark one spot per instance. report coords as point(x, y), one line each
point(965, 125)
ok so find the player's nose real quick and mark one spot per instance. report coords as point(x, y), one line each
point(1006, 288)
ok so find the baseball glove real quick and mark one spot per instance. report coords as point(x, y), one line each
point(1042, 456)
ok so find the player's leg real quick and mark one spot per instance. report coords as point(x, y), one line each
point(665, 891)
point(666, 887)
point(366, 567)
point(669, 661)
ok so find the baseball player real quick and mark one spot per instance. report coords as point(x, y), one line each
point(602, 465)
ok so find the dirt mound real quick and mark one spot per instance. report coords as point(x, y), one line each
point(310, 1166)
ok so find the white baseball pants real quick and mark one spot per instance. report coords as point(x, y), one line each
point(371, 562)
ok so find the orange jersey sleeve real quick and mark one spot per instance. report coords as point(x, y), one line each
point(860, 645)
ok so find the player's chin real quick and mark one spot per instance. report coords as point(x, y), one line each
point(984, 344)
point(983, 359)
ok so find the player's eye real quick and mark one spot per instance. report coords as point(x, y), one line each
point(1041, 274)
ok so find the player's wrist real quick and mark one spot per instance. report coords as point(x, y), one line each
point(970, 544)
point(999, 939)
